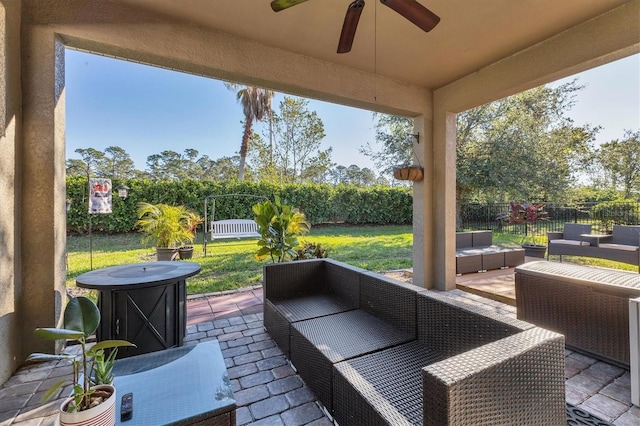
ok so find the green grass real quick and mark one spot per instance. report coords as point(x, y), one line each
point(230, 264)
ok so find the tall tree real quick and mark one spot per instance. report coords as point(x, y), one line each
point(92, 163)
point(394, 144)
point(522, 147)
point(620, 161)
point(297, 156)
point(119, 163)
point(256, 105)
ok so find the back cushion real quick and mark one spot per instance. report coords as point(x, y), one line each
point(629, 235)
point(463, 239)
point(482, 238)
point(572, 231)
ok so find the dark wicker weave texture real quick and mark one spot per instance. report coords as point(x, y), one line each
point(518, 380)
point(382, 388)
point(452, 326)
point(578, 302)
point(319, 343)
point(390, 300)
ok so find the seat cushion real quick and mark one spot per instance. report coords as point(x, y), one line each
point(622, 247)
point(570, 242)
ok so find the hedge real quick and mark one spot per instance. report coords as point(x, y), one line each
point(320, 203)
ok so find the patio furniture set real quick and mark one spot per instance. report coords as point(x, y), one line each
point(475, 252)
point(622, 245)
point(378, 351)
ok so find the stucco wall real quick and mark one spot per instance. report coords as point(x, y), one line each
point(10, 133)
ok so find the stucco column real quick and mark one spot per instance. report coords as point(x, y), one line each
point(43, 184)
point(422, 198)
point(444, 197)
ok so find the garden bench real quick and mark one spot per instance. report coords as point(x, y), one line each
point(234, 228)
point(623, 245)
point(475, 252)
point(378, 351)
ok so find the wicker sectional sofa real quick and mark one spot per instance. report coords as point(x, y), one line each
point(475, 252)
point(623, 245)
point(378, 351)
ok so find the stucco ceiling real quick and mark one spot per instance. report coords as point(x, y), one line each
point(472, 34)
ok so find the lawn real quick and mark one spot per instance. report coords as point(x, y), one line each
point(230, 264)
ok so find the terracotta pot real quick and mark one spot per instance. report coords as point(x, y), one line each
point(102, 414)
point(408, 173)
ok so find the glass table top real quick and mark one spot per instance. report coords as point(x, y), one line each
point(174, 385)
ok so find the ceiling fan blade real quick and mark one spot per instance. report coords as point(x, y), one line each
point(414, 12)
point(278, 5)
point(350, 25)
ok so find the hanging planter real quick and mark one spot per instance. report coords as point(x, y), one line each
point(413, 173)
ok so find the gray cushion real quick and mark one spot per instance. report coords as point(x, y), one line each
point(570, 242)
point(572, 231)
point(619, 247)
point(626, 234)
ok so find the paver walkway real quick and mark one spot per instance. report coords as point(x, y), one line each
point(267, 389)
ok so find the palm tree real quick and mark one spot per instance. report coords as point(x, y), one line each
point(256, 105)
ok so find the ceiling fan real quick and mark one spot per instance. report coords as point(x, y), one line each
point(410, 9)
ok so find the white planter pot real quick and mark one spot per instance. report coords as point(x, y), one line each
point(101, 415)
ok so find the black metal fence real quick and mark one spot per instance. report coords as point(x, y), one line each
point(602, 216)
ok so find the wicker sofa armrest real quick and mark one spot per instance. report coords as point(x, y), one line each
point(554, 236)
point(518, 380)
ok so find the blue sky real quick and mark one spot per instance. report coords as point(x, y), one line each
point(147, 110)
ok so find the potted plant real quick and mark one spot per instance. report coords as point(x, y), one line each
point(88, 403)
point(413, 173)
point(279, 226)
point(166, 225)
point(191, 223)
point(528, 214)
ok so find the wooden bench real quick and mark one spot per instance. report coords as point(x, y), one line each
point(234, 228)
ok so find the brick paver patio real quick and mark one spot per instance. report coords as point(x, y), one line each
point(267, 389)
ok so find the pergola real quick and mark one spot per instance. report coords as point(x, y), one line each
point(480, 51)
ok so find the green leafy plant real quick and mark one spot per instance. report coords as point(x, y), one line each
point(166, 225)
point(279, 226)
point(81, 320)
point(311, 250)
point(102, 367)
point(527, 214)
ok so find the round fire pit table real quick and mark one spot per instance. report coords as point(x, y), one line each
point(144, 303)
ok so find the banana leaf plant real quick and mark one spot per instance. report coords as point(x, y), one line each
point(279, 226)
point(81, 320)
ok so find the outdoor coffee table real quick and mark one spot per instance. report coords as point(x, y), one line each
point(144, 303)
point(187, 385)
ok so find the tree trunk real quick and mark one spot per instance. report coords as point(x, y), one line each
point(244, 147)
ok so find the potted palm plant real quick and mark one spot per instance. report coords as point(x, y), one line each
point(529, 215)
point(166, 225)
point(88, 403)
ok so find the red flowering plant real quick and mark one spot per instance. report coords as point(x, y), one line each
point(527, 214)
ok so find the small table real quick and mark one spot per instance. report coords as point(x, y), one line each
point(596, 237)
point(144, 303)
point(187, 385)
